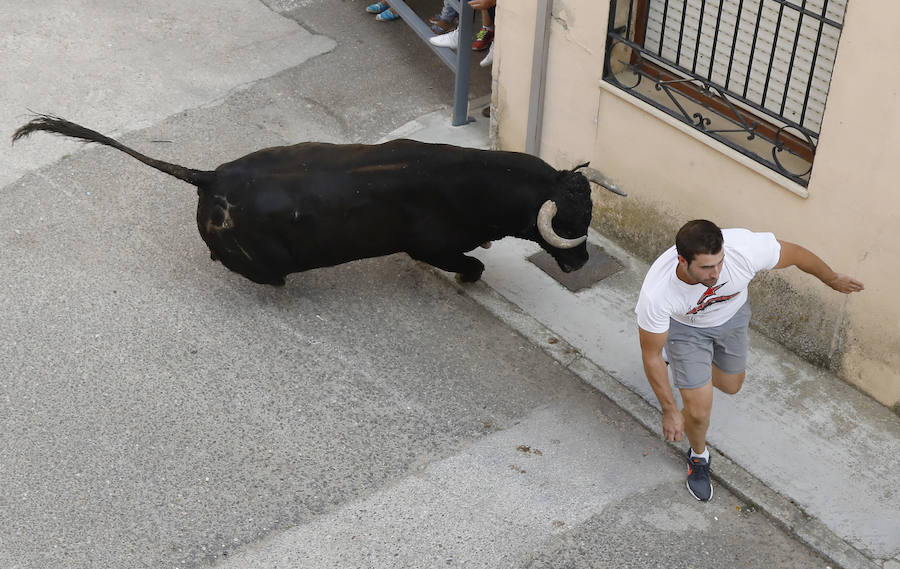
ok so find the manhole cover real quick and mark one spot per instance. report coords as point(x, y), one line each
point(599, 266)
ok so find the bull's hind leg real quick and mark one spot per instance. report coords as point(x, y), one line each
point(468, 269)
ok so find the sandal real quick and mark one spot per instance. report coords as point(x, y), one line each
point(377, 7)
point(441, 27)
point(443, 15)
point(387, 16)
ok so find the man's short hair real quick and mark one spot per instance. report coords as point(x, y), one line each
point(698, 237)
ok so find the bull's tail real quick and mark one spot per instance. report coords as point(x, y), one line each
point(63, 127)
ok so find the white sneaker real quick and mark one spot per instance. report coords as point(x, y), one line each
point(450, 39)
point(489, 58)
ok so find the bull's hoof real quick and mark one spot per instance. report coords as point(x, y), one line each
point(273, 280)
point(464, 278)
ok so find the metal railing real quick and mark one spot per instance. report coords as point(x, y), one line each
point(704, 84)
point(457, 62)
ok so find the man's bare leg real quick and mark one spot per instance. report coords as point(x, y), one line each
point(697, 408)
point(729, 383)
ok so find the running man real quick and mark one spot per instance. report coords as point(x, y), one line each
point(693, 315)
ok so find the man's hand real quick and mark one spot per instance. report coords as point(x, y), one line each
point(673, 425)
point(844, 284)
point(482, 4)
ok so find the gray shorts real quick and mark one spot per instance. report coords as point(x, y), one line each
point(692, 350)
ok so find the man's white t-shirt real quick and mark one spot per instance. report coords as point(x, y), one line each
point(664, 295)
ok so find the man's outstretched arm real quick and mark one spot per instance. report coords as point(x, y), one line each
point(807, 261)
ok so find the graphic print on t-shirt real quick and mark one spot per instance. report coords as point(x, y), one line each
point(707, 299)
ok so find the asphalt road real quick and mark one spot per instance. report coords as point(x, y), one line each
point(157, 410)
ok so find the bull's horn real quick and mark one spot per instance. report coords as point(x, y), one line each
point(545, 227)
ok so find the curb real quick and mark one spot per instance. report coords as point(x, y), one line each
point(783, 511)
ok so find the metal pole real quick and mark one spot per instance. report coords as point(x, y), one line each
point(457, 62)
point(538, 77)
point(463, 58)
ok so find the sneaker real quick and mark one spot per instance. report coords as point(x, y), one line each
point(698, 483)
point(450, 39)
point(489, 58)
point(483, 39)
point(377, 7)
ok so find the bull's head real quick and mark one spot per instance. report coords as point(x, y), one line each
point(563, 221)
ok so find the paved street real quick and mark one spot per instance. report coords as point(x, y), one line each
point(159, 411)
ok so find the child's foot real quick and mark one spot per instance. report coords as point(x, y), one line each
point(377, 7)
point(387, 16)
point(483, 39)
point(440, 27)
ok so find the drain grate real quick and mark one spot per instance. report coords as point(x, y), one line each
point(599, 266)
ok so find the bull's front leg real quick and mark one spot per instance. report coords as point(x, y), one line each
point(467, 269)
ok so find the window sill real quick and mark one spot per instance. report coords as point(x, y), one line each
point(760, 169)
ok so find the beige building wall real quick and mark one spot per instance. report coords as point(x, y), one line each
point(849, 214)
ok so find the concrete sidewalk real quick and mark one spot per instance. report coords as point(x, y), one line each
point(811, 451)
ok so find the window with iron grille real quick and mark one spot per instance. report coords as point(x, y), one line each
point(753, 74)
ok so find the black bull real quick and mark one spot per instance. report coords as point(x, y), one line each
point(291, 208)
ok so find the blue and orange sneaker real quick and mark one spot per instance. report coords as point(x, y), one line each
point(698, 483)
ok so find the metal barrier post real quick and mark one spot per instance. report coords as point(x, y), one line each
point(458, 62)
point(463, 58)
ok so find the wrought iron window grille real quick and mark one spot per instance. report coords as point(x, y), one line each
point(705, 85)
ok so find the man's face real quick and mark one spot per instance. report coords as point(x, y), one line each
point(705, 268)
